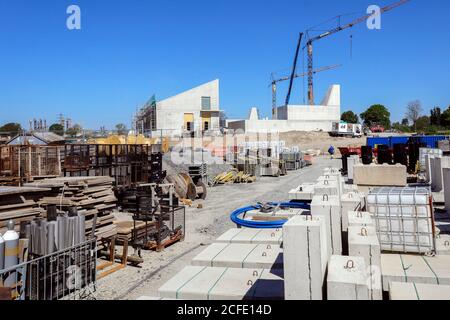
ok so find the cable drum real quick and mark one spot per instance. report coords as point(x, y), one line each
point(240, 222)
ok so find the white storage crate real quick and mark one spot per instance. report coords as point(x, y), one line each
point(403, 218)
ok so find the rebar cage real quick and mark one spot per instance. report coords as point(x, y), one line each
point(68, 274)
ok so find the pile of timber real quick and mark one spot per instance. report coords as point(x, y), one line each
point(92, 196)
point(19, 204)
point(126, 230)
point(233, 176)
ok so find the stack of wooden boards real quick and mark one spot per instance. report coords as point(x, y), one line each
point(90, 195)
point(233, 176)
point(19, 204)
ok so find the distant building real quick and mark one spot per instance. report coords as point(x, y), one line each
point(195, 110)
point(296, 117)
point(37, 138)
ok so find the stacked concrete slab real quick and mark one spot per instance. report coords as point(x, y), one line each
point(252, 236)
point(360, 218)
point(379, 175)
point(327, 187)
point(304, 192)
point(213, 283)
point(437, 178)
point(305, 257)
point(363, 242)
point(347, 279)
point(329, 208)
point(350, 201)
point(351, 162)
point(418, 291)
point(446, 182)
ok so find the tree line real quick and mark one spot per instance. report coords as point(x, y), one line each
point(413, 121)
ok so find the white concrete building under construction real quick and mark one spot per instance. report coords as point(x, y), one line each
point(195, 110)
point(296, 117)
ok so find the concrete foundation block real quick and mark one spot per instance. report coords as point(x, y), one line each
point(350, 201)
point(418, 291)
point(236, 255)
point(443, 244)
point(209, 283)
point(351, 162)
point(252, 236)
point(380, 175)
point(332, 171)
point(327, 187)
point(446, 179)
point(304, 192)
point(360, 219)
point(363, 242)
point(437, 167)
point(329, 207)
point(305, 257)
point(428, 173)
point(347, 279)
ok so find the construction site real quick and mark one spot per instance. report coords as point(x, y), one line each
point(190, 204)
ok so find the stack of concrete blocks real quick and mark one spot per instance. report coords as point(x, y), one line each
point(327, 187)
point(446, 178)
point(334, 172)
point(360, 219)
point(418, 291)
point(415, 269)
point(347, 279)
point(252, 236)
point(443, 244)
point(428, 173)
point(351, 162)
point(329, 208)
point(350, 201)
point(424, 152)
point(363, 242)
point(221, 283)
point(305, 257)
point(437, 166)
point(380, 175)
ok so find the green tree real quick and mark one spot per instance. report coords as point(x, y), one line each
point(445, 118)
point(11, 128)
point(435, 116)
point(422, 124)
point(377, 114)
point(74, 131)
point(350, 117)
point(413, 111)
point(57, 128)
point(121, 129)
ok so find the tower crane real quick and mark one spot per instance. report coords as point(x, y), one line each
point(309, 43)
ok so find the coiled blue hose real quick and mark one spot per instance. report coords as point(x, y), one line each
point(265, 224)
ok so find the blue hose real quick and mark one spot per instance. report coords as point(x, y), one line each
point(265, 224)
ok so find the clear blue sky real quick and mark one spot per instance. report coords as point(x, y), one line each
point(128, 50)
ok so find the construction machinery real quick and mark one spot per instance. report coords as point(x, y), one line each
point(311, 40)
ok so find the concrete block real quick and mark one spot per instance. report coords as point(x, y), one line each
point(380, 175)
point(305, 257)
point(428, 173)
point(363, 242)
point(360, 218)
point(438, 164)
point(332, 171)
point(252, 236)
point(329, 207)
point(418, 291)
point(328, 187)
point(304, 192)
point(443, 244)
point(410, 268)
point(236, 255)
point(351, 162)
point(446, 179)
point(350, 201)
point(347, 279)
point(209, 283)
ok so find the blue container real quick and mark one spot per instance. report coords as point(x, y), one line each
point(373, 141)
point(432, 141)
point(398, 140)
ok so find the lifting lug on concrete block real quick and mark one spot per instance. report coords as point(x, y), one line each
point(325, 197)
point(273, 235)
point(350, 195)
point(264, 254)
point(250, 283)
point(269, 247)
point(446, 243)
point(359, 214)
point(255, 273)
point(326, 182)
point(364, 232)
point(350, 265)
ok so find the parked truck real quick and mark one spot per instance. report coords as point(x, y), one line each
point(344, 129)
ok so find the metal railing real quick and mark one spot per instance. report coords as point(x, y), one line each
point(68, 274)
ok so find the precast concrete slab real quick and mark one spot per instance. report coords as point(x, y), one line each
point(347, 278)
point(212, 283)
point(236, 255)
point(252, 236)
point(414, 268)
point(443, 244)
point(438, 165)
point(304, 192)
point(350, 201)
point(360, 218)
point(380, 175)
point(328, 187)
point(305, 257)
point(351, 162)
point(446, 188)
point(363, 242)
point(418, 291)
point(329, 207)
point(332, 170)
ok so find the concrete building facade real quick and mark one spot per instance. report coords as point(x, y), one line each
point(297, 117)
point(195, 110)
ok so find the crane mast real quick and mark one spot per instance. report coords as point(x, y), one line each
point(309, 44)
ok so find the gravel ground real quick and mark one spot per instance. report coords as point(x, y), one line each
point(202, 227)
